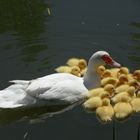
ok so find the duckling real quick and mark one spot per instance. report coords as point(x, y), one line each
point(109, 80)
point(99, 91)
point(106, 111)
point(136, 103)
point(125, 87)
point(123, 108)
point(134, 83)
point(72, 61)
point(81, 63)
point(130, 76)
point(130, 93)
point(136, 75)
point(94, 102)
point(63, 69)
point(121, 88)
point(123, 70)
point(110, 89)
point(95, 92)
point(75, 70)
point(114, 71)
point(123, 79)
point(106, 74)
point(101, 70)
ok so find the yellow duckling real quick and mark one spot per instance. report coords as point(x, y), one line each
point(106, 111)
point(121, 88)
point(136, 103)
point(81, 63)
point(123, 70)
point(99, 91)
point(106, 74)
point(94, 102)
point(134, 83)
point(109, 80)
point(130, 93)
point(63, 69)
point(114, 71)
point(123, 79)
point(101, 70)
point(130, 76)
point(75, 70)
point(110, 89)
point(123, 108)
point(125, 87)
point(136, 75)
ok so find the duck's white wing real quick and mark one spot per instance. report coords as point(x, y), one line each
point(64, 87)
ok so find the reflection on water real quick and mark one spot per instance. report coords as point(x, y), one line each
point(36, 114)
point(24, 22)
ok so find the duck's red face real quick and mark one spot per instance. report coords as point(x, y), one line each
point(109, 61)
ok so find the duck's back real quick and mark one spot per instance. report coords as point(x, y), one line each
point(61, 87)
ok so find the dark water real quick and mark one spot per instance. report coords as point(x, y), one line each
point(33, 42)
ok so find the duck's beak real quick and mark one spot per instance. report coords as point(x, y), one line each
point(109, 61)
point(116, 64)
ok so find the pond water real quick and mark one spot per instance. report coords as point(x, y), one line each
point(37, 36)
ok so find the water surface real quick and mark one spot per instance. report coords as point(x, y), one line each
point(33, 42)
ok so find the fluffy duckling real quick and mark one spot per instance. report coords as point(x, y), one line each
point(94, 102)
point(101, 70)
point(123, 109)
point(136, 75)
point(130, 93)
point(107, 73)
point(75, 70)
point(123, 70)
point(106, 111)
point(72, 61)
point(125, 87)
point(63, 69)
point(130, 76)
point(123, 79)
point(134, 83)
point(99, 91)
point(110, 89)
point(136, 103)
point(121, 88)
point(114, 71)
point(109, 80)
point(81, 63)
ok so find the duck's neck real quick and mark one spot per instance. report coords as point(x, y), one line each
point(91, 78)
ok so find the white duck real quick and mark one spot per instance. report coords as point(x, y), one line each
point(56, 88)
